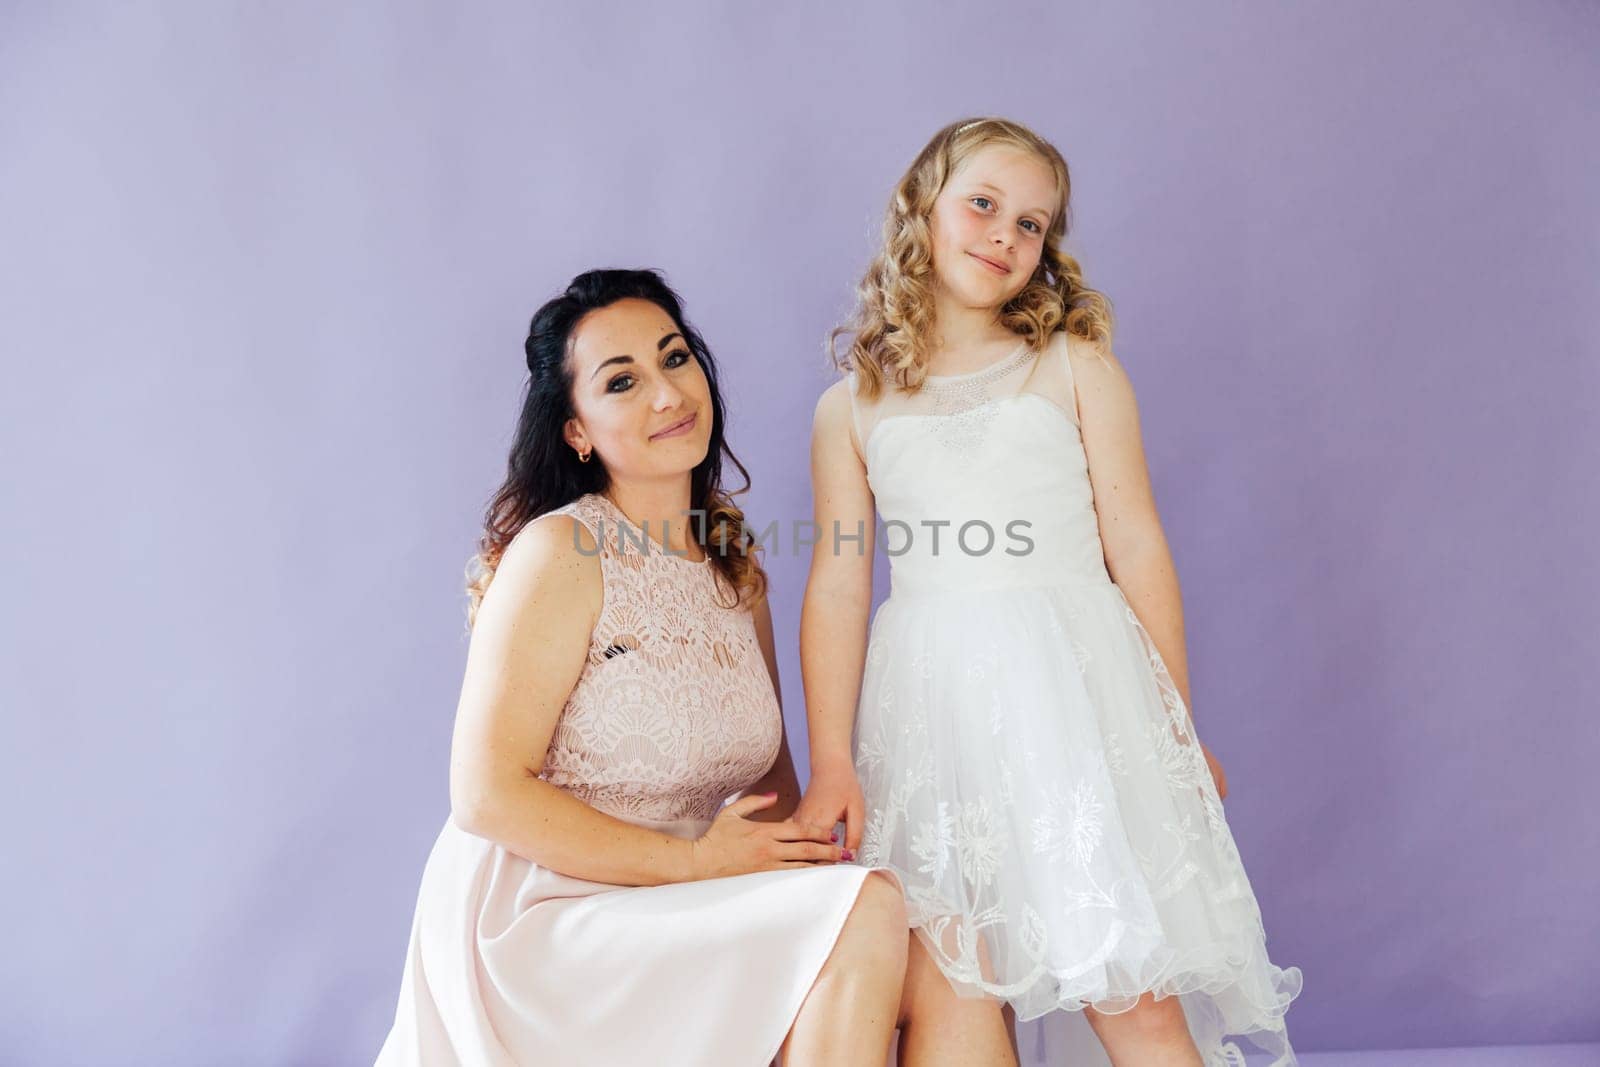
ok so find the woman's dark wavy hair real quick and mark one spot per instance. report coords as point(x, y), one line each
point(544, 473)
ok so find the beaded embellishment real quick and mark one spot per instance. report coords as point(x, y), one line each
point(964, 403)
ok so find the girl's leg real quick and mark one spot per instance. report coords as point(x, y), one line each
point(1153, 1034)
point(848, 1017)
point(939, 1028)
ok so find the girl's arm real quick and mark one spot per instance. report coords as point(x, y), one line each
point(1137, 555)
point(1130, 529)
point(781, 779)
point(529, 645)
point(834, 615)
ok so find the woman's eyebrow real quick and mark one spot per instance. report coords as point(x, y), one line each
point(661, 344)
point(607, 363)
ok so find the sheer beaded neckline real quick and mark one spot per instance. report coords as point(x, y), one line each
point(656, 546)
point(993, 372)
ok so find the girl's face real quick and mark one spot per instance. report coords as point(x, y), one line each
point(988, 225)
point(641, 400)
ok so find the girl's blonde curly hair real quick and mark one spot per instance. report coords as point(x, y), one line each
point(892, 326)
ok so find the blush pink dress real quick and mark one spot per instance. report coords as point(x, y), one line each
point(511, 963)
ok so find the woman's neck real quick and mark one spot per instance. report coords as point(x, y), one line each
point(662, 512)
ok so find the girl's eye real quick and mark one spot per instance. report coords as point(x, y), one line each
point(982, 202)
point(1034, 225)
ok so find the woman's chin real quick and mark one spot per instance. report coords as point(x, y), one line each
point(678, 455)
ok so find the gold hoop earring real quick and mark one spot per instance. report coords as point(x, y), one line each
point(583, 457)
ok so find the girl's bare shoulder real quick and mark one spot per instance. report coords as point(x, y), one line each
point(1094, 358)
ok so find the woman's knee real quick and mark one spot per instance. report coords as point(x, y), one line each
point(876, 925)
point(881, 894)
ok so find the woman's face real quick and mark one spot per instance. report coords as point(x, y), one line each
point(641, 400)
point(988, 225)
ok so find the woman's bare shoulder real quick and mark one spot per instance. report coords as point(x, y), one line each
point(553, 561)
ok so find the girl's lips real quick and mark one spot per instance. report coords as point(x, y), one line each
point(997, 268)
point(681, 428)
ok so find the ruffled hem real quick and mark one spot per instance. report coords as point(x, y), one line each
point(1050, 811)
point(1228, 995)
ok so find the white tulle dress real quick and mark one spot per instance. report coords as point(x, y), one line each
point(1030, 770)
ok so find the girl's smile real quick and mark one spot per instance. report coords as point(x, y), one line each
point(993, 265)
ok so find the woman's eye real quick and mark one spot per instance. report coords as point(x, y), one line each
point(625, 379)
point(678, 358)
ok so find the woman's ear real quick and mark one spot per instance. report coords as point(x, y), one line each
point(572, 433)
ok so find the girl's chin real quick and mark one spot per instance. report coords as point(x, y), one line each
point(985, 290)
point(976, 297)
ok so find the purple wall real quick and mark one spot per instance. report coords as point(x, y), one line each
point(268, 270)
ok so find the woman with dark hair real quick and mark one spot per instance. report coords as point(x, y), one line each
point(590, 899)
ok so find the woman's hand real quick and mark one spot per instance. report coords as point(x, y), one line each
point(1217, 774)
point(737, 845)
point(834, 795)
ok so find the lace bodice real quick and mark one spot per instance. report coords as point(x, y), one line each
point(674, 711)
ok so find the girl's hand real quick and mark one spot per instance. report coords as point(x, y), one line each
point(736, 845)
point(1217, 774)
point(834, 795)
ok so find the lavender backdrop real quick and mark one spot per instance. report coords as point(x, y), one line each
point(267, 273)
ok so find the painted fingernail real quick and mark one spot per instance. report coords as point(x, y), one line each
point(834, 836)
point(848, 855)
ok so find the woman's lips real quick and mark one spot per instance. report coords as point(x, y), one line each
point(678, 429)
point(991, 264)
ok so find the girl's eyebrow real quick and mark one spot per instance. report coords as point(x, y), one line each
point(994, 189)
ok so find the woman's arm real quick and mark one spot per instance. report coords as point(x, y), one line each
point(529, 645)
point(781, 778)
point(834, 615)
point(528, 650)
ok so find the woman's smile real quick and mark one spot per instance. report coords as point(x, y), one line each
point(679, 428)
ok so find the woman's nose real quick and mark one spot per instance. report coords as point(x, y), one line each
point(668, 396)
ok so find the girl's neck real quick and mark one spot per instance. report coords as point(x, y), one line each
point(966, 338)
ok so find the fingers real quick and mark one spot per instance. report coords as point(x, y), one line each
point(791, 830)
point(750, 804)
point(812, 815)
point(854, 823)
point(809, 852)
